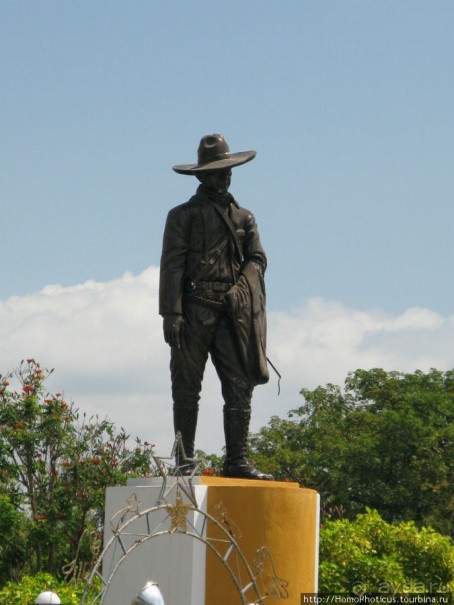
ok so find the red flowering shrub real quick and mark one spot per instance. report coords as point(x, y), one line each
point(54, 468)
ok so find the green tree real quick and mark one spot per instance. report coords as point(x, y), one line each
point(54, 470)
point(385, 441)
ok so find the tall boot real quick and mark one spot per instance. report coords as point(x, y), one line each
point(236, 429)
point(185, 422)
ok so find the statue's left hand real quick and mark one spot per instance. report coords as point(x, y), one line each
point(173, 330)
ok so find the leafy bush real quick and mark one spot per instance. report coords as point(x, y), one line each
point(371, 555)
point(14, 527)
point(30, 587)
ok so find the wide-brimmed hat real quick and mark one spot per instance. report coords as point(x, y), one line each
point(214, 154)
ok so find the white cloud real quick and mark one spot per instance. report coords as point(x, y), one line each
point(105, 342)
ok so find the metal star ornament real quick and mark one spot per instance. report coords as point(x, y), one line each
point(178, 513)
point(132, 507)
point(183, 480)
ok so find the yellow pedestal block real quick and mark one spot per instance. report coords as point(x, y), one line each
point(279, 517)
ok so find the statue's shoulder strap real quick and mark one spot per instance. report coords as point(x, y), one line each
point(223, 213)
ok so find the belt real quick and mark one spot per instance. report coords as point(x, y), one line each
point(216, 286)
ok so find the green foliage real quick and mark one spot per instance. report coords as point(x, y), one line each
point(371, 555)
point(29, 588)
point(386, 441)
point(279, 449)
point(54, 470)
point(211, 464)
point(14, 528)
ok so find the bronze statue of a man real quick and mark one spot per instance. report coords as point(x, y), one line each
point(212, 299)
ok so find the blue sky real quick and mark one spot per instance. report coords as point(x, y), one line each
point(348, 104)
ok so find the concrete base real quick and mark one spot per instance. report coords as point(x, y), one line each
point(196, 555)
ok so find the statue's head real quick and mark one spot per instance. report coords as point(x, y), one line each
point(219, 180)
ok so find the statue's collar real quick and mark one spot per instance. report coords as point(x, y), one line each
point(220, 198)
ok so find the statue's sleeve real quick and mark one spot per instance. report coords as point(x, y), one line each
point(173, 260)
point(252, 248)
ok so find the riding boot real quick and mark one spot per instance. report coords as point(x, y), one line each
point(185, 423)
point(236, 428)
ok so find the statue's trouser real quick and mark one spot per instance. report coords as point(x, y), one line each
point(185, 422)
point(208, 332)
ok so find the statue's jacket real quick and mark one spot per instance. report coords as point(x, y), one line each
point(214, 253)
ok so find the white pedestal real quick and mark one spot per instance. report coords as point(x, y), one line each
point(176, 562)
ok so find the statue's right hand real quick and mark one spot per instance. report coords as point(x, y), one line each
point(173, 330)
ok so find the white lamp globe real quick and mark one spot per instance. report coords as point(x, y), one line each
point(149, 595)
point(47, 598)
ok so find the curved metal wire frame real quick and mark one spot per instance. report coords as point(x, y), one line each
point(250, 586)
